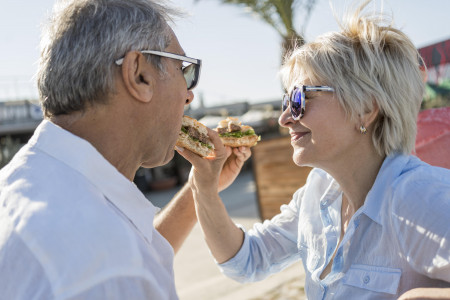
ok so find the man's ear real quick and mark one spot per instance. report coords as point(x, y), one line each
point(138, 76)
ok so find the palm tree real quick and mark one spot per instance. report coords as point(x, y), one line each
point(279, 14)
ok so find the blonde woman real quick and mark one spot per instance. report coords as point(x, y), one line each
point(372, 221)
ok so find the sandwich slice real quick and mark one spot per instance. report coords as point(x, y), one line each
point(194, 137)
point(234, 134)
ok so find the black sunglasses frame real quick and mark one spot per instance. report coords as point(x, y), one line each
point(197, 63)
point(297, 104)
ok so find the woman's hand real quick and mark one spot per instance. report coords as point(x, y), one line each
point(205, 171)
point(219, 170)
point(233, 166)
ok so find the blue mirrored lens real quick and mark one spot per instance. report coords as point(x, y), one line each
point(296, 103)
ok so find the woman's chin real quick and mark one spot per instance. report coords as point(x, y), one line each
point(299, 157)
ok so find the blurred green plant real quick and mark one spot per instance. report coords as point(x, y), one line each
point(279, 14)
point(437, 95)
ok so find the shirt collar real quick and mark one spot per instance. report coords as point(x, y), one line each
point(80, 155)
point(391, 168)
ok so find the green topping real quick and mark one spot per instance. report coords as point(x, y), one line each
point(207, 145)
point(238, 134)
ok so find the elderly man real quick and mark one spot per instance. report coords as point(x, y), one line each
point(113, 84)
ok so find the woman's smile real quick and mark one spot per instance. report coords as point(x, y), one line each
point(298, 135)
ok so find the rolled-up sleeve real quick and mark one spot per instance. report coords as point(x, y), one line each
point(268, 247)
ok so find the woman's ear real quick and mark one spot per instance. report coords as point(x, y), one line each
point(369, 117)
point(138, 76)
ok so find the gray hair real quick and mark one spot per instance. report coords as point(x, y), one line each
point(81, 42)
point(367, 63)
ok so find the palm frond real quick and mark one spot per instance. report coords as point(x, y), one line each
point(279, 14)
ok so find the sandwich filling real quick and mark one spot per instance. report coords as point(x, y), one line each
point(231, 127)
point(197, 136)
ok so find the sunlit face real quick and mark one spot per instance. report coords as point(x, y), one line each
point(169, 99)
point(324, 134)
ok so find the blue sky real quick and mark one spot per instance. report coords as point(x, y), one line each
point(240, 53)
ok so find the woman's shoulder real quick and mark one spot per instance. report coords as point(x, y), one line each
point(420, 187)
point(416, 173)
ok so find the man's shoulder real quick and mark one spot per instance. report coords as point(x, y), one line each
point(73, 237)
point(76, 250)
point(34, 177)
point(61, 215)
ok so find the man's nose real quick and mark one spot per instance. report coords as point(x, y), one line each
point(190, 97)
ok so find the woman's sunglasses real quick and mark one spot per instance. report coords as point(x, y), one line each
point(296, 99)
point(191, 71)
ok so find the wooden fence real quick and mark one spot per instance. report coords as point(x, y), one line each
point(277, 176)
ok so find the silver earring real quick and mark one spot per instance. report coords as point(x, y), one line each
point(362, 129)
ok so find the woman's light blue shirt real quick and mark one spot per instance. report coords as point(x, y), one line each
point(398, 240)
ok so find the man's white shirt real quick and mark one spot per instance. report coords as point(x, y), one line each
point(73, 227)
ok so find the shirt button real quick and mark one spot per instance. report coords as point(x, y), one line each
point(366, 279)
point(323, 205)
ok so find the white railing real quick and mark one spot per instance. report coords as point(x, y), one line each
point(14, 88)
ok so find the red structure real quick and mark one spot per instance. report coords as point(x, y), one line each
point(436, 55)
point(433, 136)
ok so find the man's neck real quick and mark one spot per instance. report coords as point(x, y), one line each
point(107, 134)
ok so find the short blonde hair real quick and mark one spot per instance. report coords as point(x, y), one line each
point(366, 63)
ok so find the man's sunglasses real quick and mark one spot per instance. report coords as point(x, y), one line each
point(296, 99)
point(191, 70)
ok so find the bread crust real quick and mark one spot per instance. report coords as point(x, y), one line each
point(245, 141)
point(232, 125)
point(188, 121)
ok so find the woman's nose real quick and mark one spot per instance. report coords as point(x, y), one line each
point(285, 118)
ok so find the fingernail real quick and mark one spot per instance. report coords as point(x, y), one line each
point(179, 149)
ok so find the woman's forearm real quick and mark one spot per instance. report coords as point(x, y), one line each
point(223, 237)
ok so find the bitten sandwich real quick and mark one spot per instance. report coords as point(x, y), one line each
point(194, 137)
point(234, 134)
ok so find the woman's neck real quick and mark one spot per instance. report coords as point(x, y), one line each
point(356, 177)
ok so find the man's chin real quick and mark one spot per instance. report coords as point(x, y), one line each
point(164, 161)
point(170, 155)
